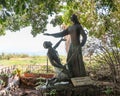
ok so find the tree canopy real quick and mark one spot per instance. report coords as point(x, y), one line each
point(100, 17)
point(16, 14)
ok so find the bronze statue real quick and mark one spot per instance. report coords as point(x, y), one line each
point(74, 56)
point(61, 71)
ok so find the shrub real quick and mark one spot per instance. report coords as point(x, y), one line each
point(110, 58)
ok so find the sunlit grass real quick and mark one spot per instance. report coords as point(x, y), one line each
point(31, 60)
point(21, 62)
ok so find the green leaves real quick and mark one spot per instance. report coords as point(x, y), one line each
point(57, 20)
point(100, 17)
point(27, 12)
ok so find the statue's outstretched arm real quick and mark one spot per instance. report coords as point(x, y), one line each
point(59, 34)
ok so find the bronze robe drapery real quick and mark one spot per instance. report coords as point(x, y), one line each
point(75, 61)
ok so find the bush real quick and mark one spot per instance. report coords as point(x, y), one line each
point(110, 60)
point(4, 77)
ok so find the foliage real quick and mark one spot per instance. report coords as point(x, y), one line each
point(91, 46)
point(27, 71)
point(108, 91)
point(110, 57)
point(15, 72)
point(4, 56)
point(41, 82)
point(4, 78)
point(100, 17)
point(53, 92)
point(2, 82)
point(4, 75)
point(17, 14)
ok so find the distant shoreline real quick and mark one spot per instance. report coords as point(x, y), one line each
point(40, 53)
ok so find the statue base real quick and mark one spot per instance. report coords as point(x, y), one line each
point(69, 89)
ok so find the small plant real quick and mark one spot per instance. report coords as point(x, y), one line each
point(40, 82)
point(27, 71)
point(16, 72)
point(108, 91)
point(4, 77)
point(4, 74)
point(53, 92)
point(2, 82)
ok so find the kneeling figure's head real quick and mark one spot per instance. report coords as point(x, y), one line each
point(47, 44)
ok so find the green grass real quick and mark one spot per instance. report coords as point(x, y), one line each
point(27, 61)
point(38, 60)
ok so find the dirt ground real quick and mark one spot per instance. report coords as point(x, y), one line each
point(24, 92)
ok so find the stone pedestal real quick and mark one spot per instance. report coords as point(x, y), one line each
point(62, 89)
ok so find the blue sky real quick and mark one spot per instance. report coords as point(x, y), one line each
point(23, 42)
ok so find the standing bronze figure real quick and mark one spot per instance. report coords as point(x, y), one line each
point(74, 56)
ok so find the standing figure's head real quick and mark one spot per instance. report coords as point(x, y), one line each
point(74, 19)
point(47, 44)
